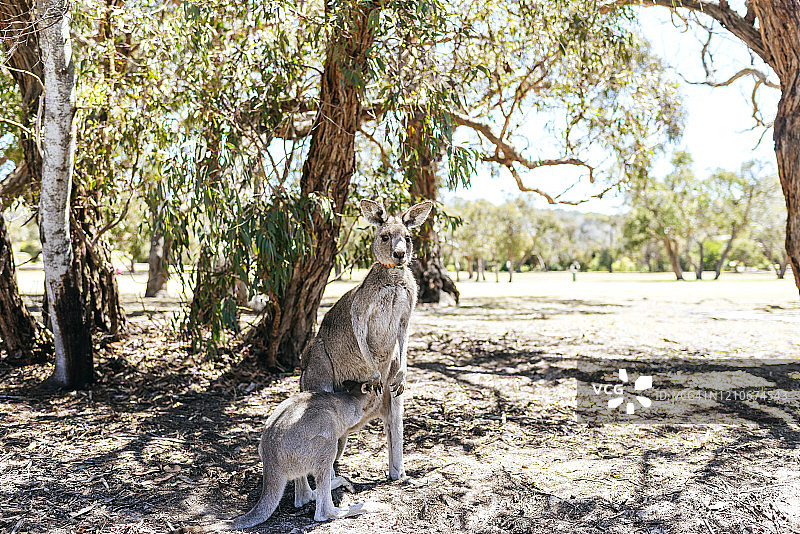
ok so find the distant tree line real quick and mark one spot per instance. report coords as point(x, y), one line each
point(725, 222)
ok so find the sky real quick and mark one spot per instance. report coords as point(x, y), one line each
point(719, 129)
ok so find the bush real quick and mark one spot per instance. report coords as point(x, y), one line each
point(624, 264)
point(712, 250)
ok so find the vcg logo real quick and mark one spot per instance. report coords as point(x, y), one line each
point(618, 390)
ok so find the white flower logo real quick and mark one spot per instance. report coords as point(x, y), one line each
point(642, 383)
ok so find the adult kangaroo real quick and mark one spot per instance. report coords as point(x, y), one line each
point(364, 336)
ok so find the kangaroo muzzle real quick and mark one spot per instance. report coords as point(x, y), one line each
point(400, 251)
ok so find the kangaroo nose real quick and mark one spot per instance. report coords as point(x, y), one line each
point(399, 254)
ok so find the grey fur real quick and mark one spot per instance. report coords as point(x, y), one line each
point(301, 438)
point(364, 336)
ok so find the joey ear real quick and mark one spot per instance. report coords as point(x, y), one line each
point(417, 214)
point(373, 212)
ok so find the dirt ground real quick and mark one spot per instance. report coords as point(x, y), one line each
point(167, 441)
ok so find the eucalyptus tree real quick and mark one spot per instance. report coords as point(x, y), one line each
point(656, 218)
point(100, 159)
point(659, 210)
point(72, 338)
point(20, 90)
point(114, 43)
point(225, 196)
point(768, 225)
point(735, 196)
point(550, 239)
point(326, 175)
point(694, 202)
point(545, 84)
point(516, 233)
point(39, 57)
point(478, 234)
point(262, 172)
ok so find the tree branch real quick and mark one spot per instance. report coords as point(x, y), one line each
point(510, 155)
point(16, 125)
point(384, 157)
point(755, 73)
point(741, 27)
point(757, 111)
point(299, 124)
point(14, 183)
point(507, 156)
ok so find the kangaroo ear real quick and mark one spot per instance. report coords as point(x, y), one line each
point(417, 214)
point(373, 212)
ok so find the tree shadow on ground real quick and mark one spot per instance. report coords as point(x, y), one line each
point(515, 506)
point(153, 448)
point(166, 441)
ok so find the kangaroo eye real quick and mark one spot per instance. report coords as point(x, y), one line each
point(408, 239)
point(385, 238)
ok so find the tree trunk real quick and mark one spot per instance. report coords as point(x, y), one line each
point(98, 286)
point(74, 365)
point(510, 270)
point(672, 253)
point(469, 267)
point(428, 269)
point(158, 272)
point(698, 267)
point(781, 269)
point(98, 275)
point(496, 270)
point(787, 151)
point(726, 251)
point(281, 336)
point(779, 26)
point(204, 293)
point(433, 281)
point(26, 341)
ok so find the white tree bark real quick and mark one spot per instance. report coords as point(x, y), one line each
point(72, 339)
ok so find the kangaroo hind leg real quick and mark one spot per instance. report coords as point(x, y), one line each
point(303, 494)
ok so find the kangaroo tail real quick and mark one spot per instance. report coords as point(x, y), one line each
point(271, 494)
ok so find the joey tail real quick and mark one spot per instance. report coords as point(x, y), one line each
point(271, 493)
